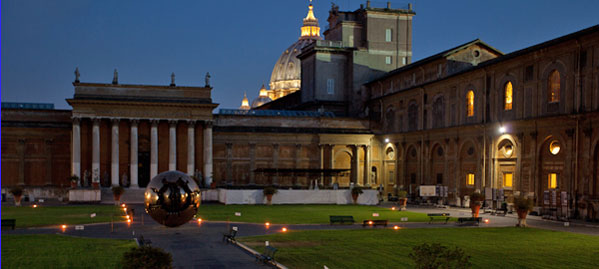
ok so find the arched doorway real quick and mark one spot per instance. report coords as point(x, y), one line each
point(143, 159)
point(551, 178)
point(342, 161)
point(412, 169)
point(468, 176)
point(505, 165)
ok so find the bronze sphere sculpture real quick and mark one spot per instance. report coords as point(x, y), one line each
point(172, 198)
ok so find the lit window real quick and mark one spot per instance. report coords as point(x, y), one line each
point(552, 181)
point(388, 35)
point(554, 147)
point(554, 87)
point(470, 103)
point(404, 60)
point(508, 96)
point(508, 179)
point(470, 179)
point(330, 86)
point(388, 59)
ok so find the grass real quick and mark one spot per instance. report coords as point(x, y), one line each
point(387, 248)
point(58, 251)
point(28, 216)
point(302, 214)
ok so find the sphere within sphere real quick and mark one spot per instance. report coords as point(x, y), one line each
point(172, 198)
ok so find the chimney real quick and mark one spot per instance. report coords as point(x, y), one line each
point(388, 5)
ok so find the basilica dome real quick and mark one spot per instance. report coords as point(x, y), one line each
point(286, 76)
point(262, 98)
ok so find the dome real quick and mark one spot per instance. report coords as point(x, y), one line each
point(262, 99)
point(286, 74)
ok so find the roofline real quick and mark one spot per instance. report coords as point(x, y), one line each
point(137, 85)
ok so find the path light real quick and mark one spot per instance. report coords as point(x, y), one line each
point(64, 227)
point(393, 208)
point(486, 221)
point(128, 221)
point(370, 222)
point(395, 227)
point(127, 216)
point(125, 209)
point(34, 206)
point(284, 229)
point(123, 205)
point(199, 220)
point(267, 224)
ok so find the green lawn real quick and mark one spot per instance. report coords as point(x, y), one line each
point(27, 216)
point(58, 251)
point(302, 214)
point(387, 248)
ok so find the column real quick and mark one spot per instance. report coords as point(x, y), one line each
point(355, 164)
point(252, 163)
point(298, 152)
point(154, 149)
point(48, 161)
point(95, 149)
point(331, 162)
point(133, 167)
point(114, 165)
point(21, 154)
point(321, 164)
point(76, 149)
point(275, 162)
point(208, 152)
point(191, 150)
point(366, 179)
point(229, 170)
point(172, 145)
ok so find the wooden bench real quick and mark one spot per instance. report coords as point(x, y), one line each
point(341, 219)
point(142, 242)
point(380, 222)
point(469, 221)
point(500, 212)
point(438, 216)
point(9, 223)
point(230, 236)
point(268, 256)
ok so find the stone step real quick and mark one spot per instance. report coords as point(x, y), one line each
point(130, 196)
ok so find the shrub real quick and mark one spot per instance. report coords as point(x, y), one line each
point(357, 190)
point(523, 203)
point(147, 257)
point(74, 178)
point(269, 190)
point(437, 256)
point(16, 191)
point(118, 190)
point(476, 198)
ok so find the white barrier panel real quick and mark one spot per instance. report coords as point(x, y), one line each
point(251, 197)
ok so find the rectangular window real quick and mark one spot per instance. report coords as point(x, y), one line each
point(387, 35)
point(413, 178)
point(330, 86)
point(439, 179)
point(470, 179)
point(403, 60)
point(552, 181)
point(508, 179)
point(388, 59)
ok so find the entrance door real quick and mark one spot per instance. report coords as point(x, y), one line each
point(143, 171)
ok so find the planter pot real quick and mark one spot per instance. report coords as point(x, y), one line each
point(96, 185)
point(403, 202)
point(355, 197)
point(18, 200)
point(269, 199)
point(117, 197)
point(522, 218)
point(74, 184)
point(475, 209)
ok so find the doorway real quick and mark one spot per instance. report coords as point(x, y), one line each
point(143, 171)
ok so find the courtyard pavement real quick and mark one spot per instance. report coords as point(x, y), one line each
point(200, 245)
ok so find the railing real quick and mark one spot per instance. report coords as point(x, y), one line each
point(283, 113)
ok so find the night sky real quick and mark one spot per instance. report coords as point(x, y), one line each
point(237, 41)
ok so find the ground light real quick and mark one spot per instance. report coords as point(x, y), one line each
point(370, 222)
point(395, 227)
point(284, 229)
point(34, 206)
point(267, 224)
point(486, 221)
point(199, 220)
point(63, 227)
point(393, 208)
point(123, 205)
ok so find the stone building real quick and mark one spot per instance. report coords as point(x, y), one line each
point(468, 118)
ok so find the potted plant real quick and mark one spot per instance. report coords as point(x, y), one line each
point(74, 179)
point(523, 205)
point(268, 193)
point(355, 192)
point(17, 192)
point(476, 199)
point(117, 191)
point(403, 199)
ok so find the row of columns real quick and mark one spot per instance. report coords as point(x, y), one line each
point(172, 164)
point(355, 162)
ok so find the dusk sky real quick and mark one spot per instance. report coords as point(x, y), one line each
point(238, 42)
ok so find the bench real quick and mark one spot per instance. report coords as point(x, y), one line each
point(9, 223)
point(469, 221)
point(268, 256)
point(230, 236)
point(439, 216)
point(142, 242)
point(341, 219)
point(380, 222)
point(500, 211)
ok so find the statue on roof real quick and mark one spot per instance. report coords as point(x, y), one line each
point(115, 78)
point(207, 79)
point(77, 74)
point(173, 79)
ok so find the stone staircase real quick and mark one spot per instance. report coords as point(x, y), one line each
point(131, 196)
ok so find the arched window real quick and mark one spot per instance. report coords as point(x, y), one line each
point(439, 112)
point(470, 103)
point(508, 96)
point(390, 119)
point(413, 116)
point(554, 87)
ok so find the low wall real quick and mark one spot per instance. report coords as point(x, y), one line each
point(83, 195)
point(251, 197)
